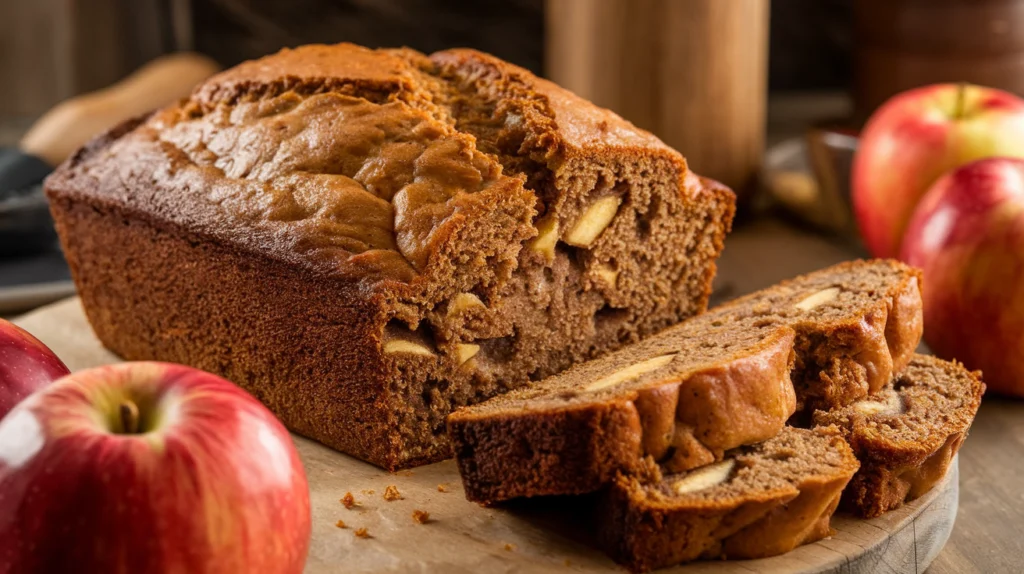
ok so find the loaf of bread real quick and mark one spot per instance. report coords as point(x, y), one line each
point(759, 501)
point(906, 435)
point(366, 239)
point(688, 394)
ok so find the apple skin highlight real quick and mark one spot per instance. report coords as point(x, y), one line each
point(208, 481)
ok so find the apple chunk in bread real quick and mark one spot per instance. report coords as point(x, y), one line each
point(466, 351)
point(818, 298)
point(396, 346)
point(547, 237)
point(704, 477)
point(630, 372)
point(593, 221)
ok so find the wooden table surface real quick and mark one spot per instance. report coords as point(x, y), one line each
point(987, 537)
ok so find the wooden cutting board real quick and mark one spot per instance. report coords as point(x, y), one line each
point(541, 535)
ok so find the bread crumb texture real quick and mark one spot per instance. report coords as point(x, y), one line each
point(363, 533)
point(420, 516)
point(391, 493)
point(348, 500)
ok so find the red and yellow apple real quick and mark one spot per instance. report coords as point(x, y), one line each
point(967, 234)
point(26, 364)
point(916, 137)
point(149, 467)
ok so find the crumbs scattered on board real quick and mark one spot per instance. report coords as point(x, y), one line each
point(391, 493)
point(340, 524)
point(442, 488)
point(348, 500)
point(363, 533)
point(420, 516)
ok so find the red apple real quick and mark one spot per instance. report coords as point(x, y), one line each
point(149, 467)
point(916, 137)
point(967, 235)
point(26, 364)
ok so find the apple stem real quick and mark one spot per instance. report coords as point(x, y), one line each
point(961, 96)
point(129, 417)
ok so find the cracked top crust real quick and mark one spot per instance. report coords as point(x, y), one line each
point(387, 166)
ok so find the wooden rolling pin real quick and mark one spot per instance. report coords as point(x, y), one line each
point(67, 126)
point(694, 72)
point(25, 225)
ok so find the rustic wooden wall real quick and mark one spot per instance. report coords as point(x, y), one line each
point(53, 49)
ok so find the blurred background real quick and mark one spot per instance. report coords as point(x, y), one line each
point(766, 96)
point(801, 106)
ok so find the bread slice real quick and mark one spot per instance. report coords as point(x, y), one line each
point(367, 239)
point(857, 323)
point(692, 392)
point(906, 435)
point(759, 501)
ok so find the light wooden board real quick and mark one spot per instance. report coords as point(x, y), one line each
point(543, 535)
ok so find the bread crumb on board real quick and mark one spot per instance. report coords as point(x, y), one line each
point(510, 547)
point(391, 493)
point(363, 533)
point(340, 524)
point(348, 501)
point(420, 516)
point(442, 488)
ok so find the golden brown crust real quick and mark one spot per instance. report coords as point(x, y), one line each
point(193, 319)
point(581, 126)
point(720, 407)
point(644, 525)
point(905, 321)
point(320, 211)
point(907, 435)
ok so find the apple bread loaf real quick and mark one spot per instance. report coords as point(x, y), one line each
point(367, 239)
point(685, 396)
point(906, 435)
point(759, 501)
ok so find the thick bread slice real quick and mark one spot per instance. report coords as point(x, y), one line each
point(906, 435)
point(684, 397)
point(857, 324)
point(727, 384)
point(760, 501)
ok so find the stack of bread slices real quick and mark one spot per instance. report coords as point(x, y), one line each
point(737, 433)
